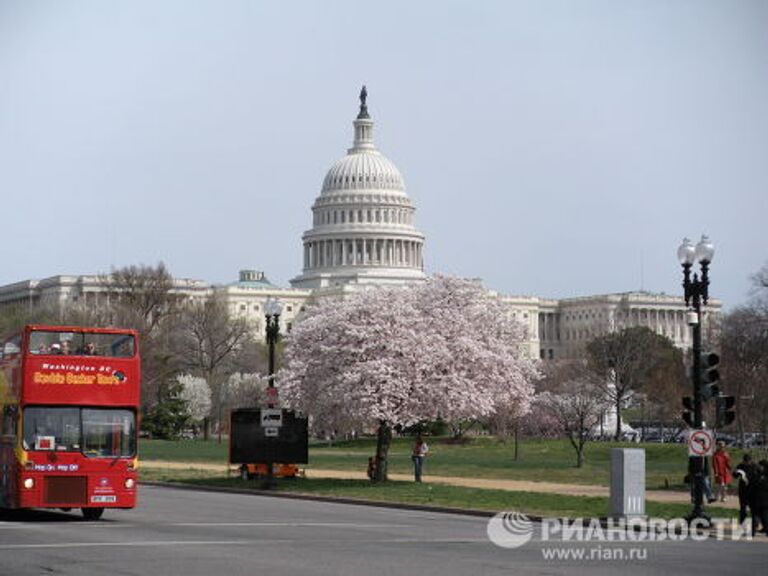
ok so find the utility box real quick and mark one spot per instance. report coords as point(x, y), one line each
point(627, 483)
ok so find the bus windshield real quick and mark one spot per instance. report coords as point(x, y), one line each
point(96, 432)
point(82, 344)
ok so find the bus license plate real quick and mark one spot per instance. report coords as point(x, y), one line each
point(103, 499)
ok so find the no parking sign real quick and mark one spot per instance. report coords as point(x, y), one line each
point(701, 443)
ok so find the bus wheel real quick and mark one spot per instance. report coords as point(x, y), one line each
point(92, 513)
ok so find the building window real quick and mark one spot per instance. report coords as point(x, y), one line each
point(289, 308)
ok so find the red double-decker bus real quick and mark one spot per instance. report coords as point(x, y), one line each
point(69, 399)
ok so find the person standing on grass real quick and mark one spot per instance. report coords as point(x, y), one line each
point(420, 450)
point(721, 465)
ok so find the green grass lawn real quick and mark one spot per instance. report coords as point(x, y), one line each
point(551, 505)
point(484, 457)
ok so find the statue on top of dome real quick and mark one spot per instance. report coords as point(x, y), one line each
point(363, 105)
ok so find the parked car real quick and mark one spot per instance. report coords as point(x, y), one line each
point(729, 439)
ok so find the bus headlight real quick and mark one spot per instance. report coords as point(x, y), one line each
point(29, 483)
point(130, 483)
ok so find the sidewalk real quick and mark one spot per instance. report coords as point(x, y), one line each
point(511, 485)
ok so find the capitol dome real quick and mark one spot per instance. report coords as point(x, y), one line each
point(363, 171)
point(362, 227)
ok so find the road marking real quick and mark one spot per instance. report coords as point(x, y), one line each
point(260, 541)
point(30, 525)
point(129, 544)
point(290, 524)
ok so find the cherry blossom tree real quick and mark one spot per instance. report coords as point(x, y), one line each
point(394, 356)
point(196, 394)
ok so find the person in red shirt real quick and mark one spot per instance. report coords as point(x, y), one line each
point(721, 466)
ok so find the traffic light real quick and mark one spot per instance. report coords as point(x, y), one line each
point(724, 410)
point(710, 375)
point(688, 412)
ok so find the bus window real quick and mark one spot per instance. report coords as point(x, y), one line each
point(52, 429)
point(82, 344)
point(109, 433)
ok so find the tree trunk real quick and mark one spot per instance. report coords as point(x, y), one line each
point(383, 440)
point(618, 419)
point(517, 433)
point(578, 445)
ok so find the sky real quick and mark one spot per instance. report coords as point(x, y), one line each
point(551, 148)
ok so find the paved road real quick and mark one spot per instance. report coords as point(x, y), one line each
point(194, 533)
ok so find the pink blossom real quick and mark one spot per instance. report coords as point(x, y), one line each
point(443, 349)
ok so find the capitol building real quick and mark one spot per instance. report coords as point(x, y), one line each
point(363, 234)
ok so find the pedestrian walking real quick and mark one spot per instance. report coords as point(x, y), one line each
point(700, 479)
point(420, 450)
point(747, 474)
point(721, 465)
point(760, 498)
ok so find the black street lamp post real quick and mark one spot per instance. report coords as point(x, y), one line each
point(272, 311)
point(696, 291)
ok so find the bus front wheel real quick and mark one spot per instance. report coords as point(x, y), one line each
point(92, 513)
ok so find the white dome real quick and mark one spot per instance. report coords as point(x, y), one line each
point(362, 221)
point(363, 170)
